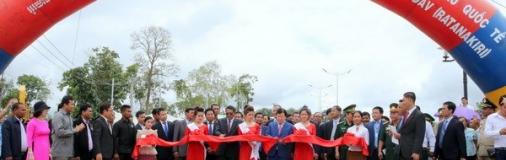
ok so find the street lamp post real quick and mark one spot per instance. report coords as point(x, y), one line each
point(446, 59)
point(320, 93)
point(337, 76)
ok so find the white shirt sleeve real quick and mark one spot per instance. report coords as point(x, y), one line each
point(490, 129)
point(429, 134)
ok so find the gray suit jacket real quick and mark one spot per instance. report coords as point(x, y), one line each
point(412, 135)
point(62, 135)
point(103, 141)
point(179, 131)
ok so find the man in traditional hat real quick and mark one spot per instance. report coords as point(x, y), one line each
point(343, 127)
point(485, 143)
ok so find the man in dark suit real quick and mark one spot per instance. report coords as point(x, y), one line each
point(141, 116)
point(412, 130)
point(228, 127)
point(124, 134)
point(154, 112)
point(14, 146)
point(179, 132)
point(103, 141)
point(280, 129)
point(211, 123)
point(83, 141)
point(450, 139)
point(165, 130)
point(328, 131)
point(376, 133)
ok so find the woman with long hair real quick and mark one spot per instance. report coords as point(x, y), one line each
point(358, 129)
point(37, 133)
point(249, 150)
point(147, 152)
point(197, 150)
point(304, 151)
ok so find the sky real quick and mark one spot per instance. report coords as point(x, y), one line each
point(286, 43)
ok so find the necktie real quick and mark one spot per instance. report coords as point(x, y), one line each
point(280, 127)
point(110, 127)
point(165, 129)
point(210, 128)
point(90, 140)
point(333, 132)
point(228, 125)
point(376, 133)
point(406, 115)
point(443, 130)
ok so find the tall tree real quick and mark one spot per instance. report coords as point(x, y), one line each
point(93, 82)
point(208, 82)
point(155, 60)
point(7, 91)
point(242, 89)
point(184, 96)
point(207, 85)
point(136, 88)
point(36, 88)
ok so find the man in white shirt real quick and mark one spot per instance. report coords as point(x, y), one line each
point(496, 129)
point(14, 142)
point(429, 140)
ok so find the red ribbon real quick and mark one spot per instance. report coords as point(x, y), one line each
point(214, 141)
point(348, 139)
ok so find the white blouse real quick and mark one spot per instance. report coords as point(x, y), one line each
point(360, 132)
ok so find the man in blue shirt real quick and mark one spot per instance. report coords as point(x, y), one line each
point(376, 133)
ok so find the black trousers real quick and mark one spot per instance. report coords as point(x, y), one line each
point(22, 157)
point(125, 156)
point(373, 154)
point(425, 154)
point(87, 156)
point(226, 158)
point(211, 156)
point(500, 153)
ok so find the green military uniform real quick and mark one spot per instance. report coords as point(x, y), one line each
point(341, 130)
point(388, 145)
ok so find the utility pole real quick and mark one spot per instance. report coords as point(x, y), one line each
point(337, 76)
point(446, 59)
point(320, 94)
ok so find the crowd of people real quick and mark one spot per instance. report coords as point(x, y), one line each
point(407, 133)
